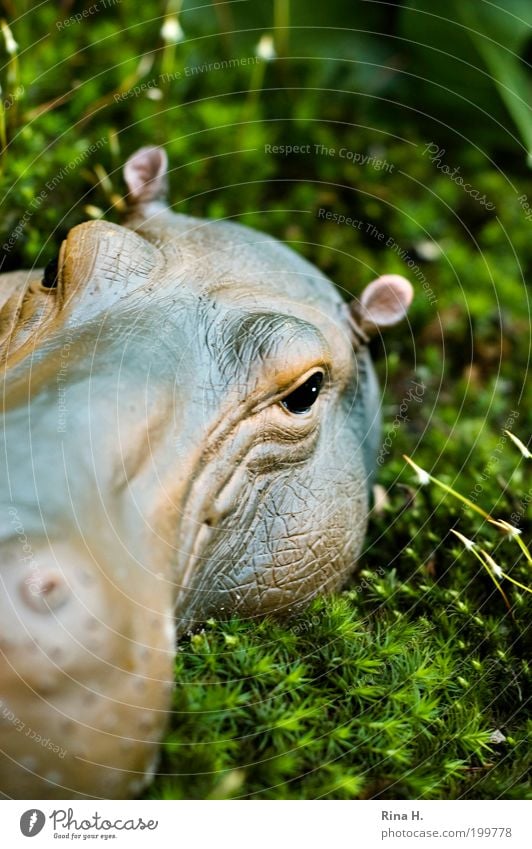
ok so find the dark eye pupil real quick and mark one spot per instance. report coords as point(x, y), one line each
point(302, 399)
point(49, 278)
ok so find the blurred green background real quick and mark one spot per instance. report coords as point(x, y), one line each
point(415, 123)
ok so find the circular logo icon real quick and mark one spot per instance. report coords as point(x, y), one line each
point(32, 822)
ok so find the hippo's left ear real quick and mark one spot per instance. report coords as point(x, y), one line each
point(383, 302)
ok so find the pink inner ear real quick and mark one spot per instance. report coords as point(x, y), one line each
point(145, 174)
point(385, 301)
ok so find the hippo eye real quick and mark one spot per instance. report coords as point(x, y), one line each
point(301, 399)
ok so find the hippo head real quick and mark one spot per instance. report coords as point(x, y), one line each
point(191, 417)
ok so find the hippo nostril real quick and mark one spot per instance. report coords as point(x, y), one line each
point(46, 592)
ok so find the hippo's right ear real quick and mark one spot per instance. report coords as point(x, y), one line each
point(384, 302)
point(145, 173)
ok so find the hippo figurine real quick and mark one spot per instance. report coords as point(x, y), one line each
point(190, 424)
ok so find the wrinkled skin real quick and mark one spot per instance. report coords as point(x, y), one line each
point(154, 473)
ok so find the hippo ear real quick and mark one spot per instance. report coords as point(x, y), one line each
point(383, 302)
point(101, 264)
point(145, 173)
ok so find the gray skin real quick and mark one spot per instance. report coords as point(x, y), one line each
point(154, 473)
